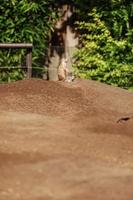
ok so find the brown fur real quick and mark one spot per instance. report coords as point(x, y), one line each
point(62, 70)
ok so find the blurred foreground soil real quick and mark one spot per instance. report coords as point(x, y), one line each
point(65, 141)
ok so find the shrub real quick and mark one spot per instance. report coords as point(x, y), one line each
point(103, 56)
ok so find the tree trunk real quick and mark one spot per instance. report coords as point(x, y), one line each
point(62, 42)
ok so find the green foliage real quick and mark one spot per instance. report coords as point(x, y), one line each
point(106, 53)
point(9, 69)
point(11, 75)
point(24, 21)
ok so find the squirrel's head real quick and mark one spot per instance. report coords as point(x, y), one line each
point(63, 60)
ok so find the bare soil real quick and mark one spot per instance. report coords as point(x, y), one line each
point(65, 141)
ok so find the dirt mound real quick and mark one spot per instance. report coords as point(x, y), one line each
point(41, 97)
point(65, 141)
point(80, 101)
point(59, 98)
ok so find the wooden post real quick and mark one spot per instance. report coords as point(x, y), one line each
point(29, 63)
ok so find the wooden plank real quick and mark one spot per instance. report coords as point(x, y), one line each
point(16, 45)
point(29, 63)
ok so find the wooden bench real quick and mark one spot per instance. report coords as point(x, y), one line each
point(27, 46)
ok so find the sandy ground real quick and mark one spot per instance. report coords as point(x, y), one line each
point(65, 141)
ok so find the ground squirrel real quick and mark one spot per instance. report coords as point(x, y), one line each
point(63, 70)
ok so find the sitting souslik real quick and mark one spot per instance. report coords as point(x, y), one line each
point(63, 72)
